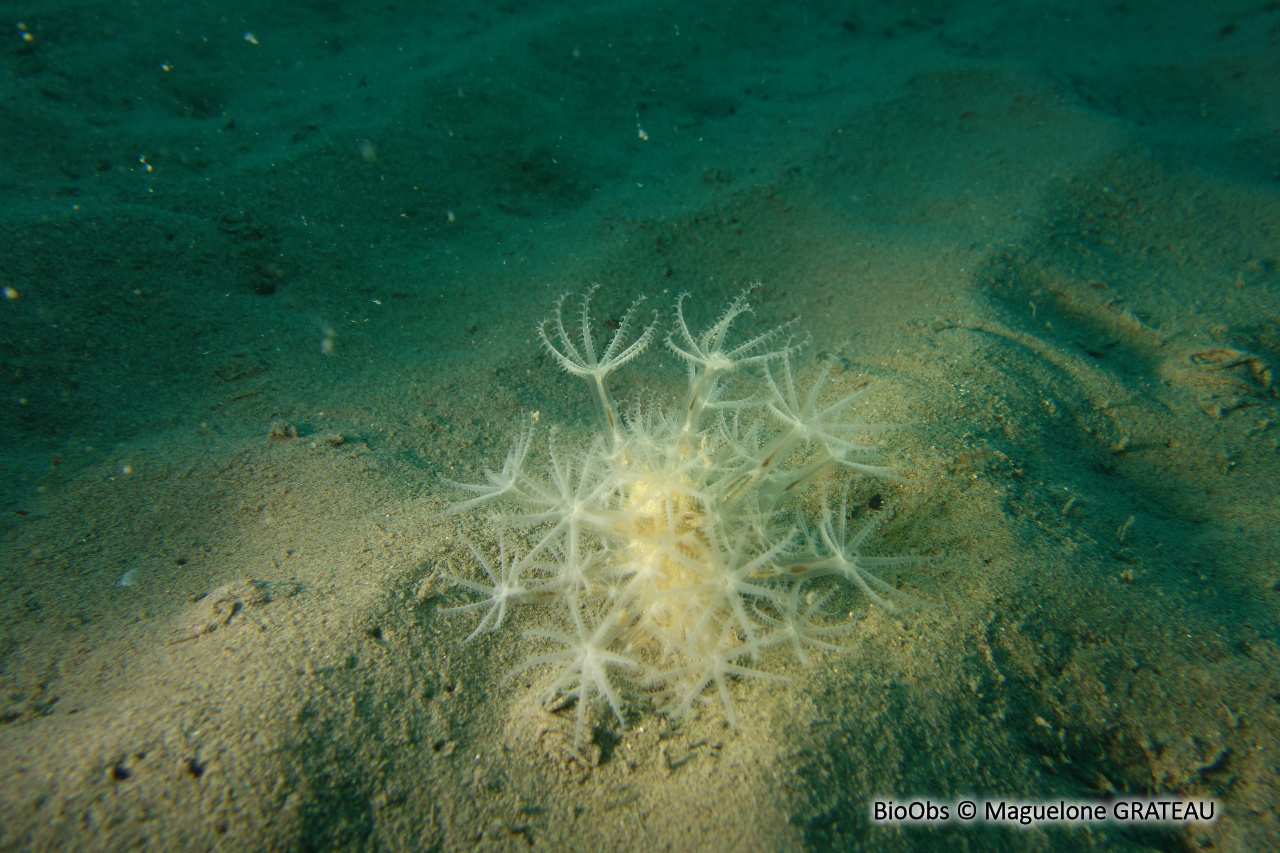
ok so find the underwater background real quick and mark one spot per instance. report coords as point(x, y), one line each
point(272, 274)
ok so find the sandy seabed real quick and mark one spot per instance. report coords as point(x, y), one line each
point(272, 276)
